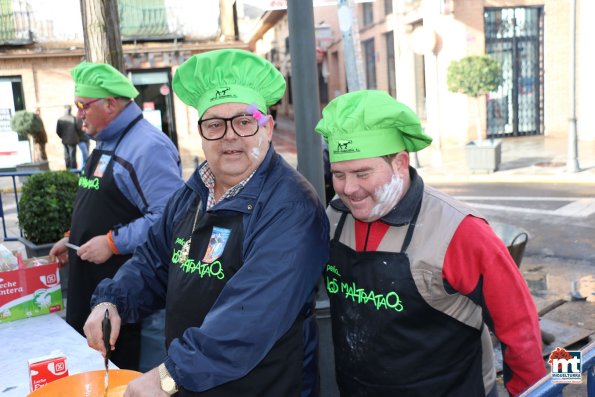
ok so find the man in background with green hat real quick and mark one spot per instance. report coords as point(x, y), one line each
point(416, 279)
point(237, 255)
point(122, 192)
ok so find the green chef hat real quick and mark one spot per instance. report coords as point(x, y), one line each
point(229, 75)
point(100, 80)
point(367, 123)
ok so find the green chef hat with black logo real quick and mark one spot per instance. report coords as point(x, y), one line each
point(368, 123)
point(230, 75)
point(100, 80)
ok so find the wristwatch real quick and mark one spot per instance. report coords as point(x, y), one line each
point(168, 384)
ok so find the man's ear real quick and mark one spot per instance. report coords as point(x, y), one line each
point(400, 163)
point(115, 104)
point(270, 125)
point(110, 103)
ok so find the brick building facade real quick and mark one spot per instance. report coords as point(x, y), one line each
point(37, 53)
point(406, 46)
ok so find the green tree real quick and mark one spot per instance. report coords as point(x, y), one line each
point(29, 125)
point(474, 76)
point(46, 205)
point(26, 124)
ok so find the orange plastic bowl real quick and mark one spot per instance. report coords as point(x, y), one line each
point(88, 384)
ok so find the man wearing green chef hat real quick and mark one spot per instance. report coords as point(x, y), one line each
point(237, 255)
point(416, 279)
point(123, 190)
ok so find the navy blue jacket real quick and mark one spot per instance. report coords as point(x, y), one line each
point(285, 248)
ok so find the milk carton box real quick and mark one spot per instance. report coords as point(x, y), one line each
point(31, 290)
point(45, 369)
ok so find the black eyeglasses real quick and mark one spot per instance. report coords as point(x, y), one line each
point(215, 128)
point(80, 105)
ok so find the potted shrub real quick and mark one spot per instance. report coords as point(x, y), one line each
point(45, 209)
point(29, 125)
point(476, 76)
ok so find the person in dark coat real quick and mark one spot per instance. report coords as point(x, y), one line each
point(68, 131)
point(237, 255)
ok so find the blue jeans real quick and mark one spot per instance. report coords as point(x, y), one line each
point(84, 146)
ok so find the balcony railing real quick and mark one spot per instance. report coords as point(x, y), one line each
point(147, 21)
point(59, 21)
point(15, 23)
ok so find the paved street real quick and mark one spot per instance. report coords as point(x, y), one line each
point(560, 219)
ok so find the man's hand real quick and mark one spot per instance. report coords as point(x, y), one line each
point(60, 252)
point(94, 331)
point(96, 250)
point(146, 385)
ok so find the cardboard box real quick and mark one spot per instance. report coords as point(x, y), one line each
point(43, 370)
point(30, 291)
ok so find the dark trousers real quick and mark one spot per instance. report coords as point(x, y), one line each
point(127, 352)
point(70, 156)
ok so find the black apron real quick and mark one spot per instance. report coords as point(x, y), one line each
point(195, 282)
point(99, 207)
point(388, 341)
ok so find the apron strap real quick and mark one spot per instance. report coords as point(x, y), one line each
point(128, 128)
point(410, 229)
point(339, 228)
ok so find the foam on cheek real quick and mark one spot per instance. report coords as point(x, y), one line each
point(387, 197)
point(255, 152)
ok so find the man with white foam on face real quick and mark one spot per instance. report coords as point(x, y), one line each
point(416, 279)
point(237, 255)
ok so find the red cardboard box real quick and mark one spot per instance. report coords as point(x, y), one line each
point(46, 369)
point(31, 291)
